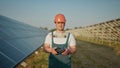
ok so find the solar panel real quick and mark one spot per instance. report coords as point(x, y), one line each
point(17, 41)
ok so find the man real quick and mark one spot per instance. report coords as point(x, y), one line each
point(60, 45)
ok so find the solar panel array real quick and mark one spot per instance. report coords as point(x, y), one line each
point(17, 41)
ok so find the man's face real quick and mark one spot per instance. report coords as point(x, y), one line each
point(60, 26)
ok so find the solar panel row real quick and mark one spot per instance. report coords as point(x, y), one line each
point(17, 41)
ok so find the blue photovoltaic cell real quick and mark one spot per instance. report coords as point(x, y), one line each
point(17, 41)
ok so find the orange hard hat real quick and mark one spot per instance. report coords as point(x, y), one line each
point(59, 18)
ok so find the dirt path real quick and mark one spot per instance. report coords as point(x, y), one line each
point(90, 55)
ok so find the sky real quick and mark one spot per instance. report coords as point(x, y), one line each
point(40, 13)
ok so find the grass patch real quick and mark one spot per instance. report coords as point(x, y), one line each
point(39, 60)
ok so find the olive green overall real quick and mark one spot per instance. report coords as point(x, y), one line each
point(60, 61)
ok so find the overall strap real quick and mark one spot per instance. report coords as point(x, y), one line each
point(52, 40)
point(67, 39)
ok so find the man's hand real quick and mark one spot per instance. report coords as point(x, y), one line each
point(53, 51)
point(48, 49)
point(71, 50)
point(66, 52)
